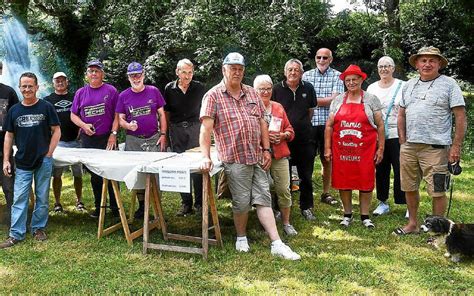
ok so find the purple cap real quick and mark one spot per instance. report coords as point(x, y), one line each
point(134, 68)
point(95, 63)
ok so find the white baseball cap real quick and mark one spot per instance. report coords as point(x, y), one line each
point(59, 74)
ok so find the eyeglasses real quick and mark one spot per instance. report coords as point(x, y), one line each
point(93, 71)
point(383, 67)
point(350, 80)
point(322, 57)
point(266, 89)
point(135, 75)
point(24, 87)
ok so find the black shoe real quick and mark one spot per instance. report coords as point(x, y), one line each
point(9, 242)
point(95, 213)
point(115, 213)
point(198, 210)
point(184, 211)
point(140, 211)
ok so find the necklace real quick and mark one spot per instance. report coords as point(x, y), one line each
point(427, 90)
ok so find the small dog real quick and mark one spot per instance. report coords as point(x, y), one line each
point(459, 237)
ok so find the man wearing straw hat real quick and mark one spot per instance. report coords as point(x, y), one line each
point(424, 127)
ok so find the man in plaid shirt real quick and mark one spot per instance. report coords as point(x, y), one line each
point(234, 112)
point(327, 85)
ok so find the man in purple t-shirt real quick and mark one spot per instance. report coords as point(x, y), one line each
point(141, 114)
point(93, 110)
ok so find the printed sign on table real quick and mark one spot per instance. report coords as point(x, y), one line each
point(175, 179)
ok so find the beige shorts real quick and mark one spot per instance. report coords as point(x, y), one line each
point(425, 161)
point(248, 185)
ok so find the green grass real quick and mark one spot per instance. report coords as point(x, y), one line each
point(334, 260)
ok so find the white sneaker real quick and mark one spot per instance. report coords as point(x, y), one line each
point(346, 221)
point(242, 245)
point(381, 209)
point(283, 251)
point(368, 223)
point(289, 230)
point(407, 215)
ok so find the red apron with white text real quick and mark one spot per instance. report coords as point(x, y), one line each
point(354, 141)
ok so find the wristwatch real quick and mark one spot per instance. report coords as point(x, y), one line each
point(162, 134)
point(114, 133)
point(267, 149)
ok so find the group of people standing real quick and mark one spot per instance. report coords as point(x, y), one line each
point(259, 133)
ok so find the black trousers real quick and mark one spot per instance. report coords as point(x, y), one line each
point(391, 158)
point(98, 142)
point(7, 187)
point(302, 156)
point(184, 136)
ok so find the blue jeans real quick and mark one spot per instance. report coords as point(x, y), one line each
point(21, 196)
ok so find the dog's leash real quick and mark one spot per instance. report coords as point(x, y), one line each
point(450, 196)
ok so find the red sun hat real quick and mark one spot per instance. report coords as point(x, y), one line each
point(353, 70)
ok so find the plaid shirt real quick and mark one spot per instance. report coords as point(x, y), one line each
point(236, 123)
point(325, 85)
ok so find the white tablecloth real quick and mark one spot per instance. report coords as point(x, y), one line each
point(129, 166)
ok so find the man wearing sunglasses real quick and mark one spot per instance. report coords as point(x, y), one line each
point(93, 110)
point(327, 85)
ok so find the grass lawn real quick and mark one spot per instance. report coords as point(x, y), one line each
point(334, 260)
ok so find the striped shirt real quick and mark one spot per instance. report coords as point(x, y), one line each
point(236, 123)
point(325, 84)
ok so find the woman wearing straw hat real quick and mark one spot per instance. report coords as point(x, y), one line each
point(354, 142)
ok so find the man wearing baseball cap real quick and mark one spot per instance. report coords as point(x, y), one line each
point(61, 99)
point(93, 111)
point(234, 112)
point(424, 127)
point(141, 114)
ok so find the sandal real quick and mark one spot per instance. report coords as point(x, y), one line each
point(328, 199)
point(401, 232)
point(368, 223)
point(80, 206)
point(58, 208)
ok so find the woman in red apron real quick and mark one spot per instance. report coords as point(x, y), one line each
point(354, 141)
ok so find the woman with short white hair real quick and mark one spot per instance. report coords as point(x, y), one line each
point(280, 132)
point(389, 91)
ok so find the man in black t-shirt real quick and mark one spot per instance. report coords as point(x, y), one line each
point(183, 102)
point(8, 98)
point(61, 99)
point(34, 125)
point(298, 99)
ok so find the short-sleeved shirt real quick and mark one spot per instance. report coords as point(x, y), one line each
point(184, 106)
point(297, 105)
point(428, 107)
point(325, 85)
point(143, 108)
point(62, 104)
point(371, 105)
point(96, 106)
point(386, 95)
point(31, 128)
point(236, 123)
point(8, 98)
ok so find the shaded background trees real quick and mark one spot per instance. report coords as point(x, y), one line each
point(268, 33)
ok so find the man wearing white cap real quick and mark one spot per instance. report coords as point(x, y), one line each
point(61, 99)
point(234, 112)
point(424, 128)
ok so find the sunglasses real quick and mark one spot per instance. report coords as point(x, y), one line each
point(322, 57)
